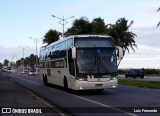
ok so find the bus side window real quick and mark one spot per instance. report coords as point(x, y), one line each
point(70, 43)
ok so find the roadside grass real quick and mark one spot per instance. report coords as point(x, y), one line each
point(145, 84)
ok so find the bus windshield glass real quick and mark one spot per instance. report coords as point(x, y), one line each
point(95, 55)
point(91, 61)
point(93, 42)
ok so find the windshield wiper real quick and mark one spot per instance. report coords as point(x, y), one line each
point(92, 66)
point(94, 43)
point(100, 62)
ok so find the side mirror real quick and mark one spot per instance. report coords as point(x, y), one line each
point(73, 52)
point(119, 52)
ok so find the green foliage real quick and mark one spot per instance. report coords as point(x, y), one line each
point(1, 65)
point(30, 61)
point(121, 34)
point(146, 84)
point(18, 63)
point(98, 26)
point(152, 71)
point(5, 62)
point(51, 36)
point(158, 11)
point(84, 26)
point(80, 26)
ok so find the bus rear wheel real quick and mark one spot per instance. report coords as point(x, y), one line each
point(45, 80)
point(66, 89)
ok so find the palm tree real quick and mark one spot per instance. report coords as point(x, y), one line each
point(80, 26)
point(157, 11)
point(51, 36)
point(122, 37)
point(5, 62)
point(98, 26)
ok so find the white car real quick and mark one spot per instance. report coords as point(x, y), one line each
point(32, 73)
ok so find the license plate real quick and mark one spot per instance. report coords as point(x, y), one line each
point(98, 85)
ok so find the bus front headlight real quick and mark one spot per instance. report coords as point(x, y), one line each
point(113, 78)
point(82, 79)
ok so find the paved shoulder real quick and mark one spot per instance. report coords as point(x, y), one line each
point(19, 100)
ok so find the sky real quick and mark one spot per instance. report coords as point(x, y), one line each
point(22, 19)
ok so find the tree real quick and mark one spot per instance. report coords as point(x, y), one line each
point(5, 62)
point(26, 61)
point(31, 61)
point(98, 26)
point(80, 26)
point(121, 34)
point(1, 66)
point(51, 36)
point(158, 11)
point(18, 63)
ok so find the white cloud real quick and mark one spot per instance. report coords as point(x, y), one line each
point(140, 63)
point(145, 57)
point(15, 53)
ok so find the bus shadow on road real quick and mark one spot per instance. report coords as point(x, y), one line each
point(84, 92)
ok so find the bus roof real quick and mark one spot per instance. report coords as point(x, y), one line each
point(73, 36)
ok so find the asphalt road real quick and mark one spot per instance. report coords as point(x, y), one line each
point(124, 100)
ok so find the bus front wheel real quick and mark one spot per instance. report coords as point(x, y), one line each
point(100, 90)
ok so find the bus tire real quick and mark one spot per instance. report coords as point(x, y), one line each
point(66, 89)
point(100, 90)
point(45, 81)
point(43, 77)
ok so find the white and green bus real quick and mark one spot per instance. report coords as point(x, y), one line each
point(80, 62)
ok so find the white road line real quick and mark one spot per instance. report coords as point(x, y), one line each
point(104, 105)
point(62, 114)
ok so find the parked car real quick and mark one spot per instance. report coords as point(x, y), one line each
point(32, 73)
point(135, 73)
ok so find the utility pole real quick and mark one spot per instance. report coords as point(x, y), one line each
point(62, 22)
point(23, 49)
point(36, 41)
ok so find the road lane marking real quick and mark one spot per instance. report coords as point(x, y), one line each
point(62, 114)
point(101, 104)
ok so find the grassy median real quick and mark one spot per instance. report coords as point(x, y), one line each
point(145, 84)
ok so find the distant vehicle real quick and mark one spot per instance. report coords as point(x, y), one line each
point(5, 68)
point(32, 73)
point(9, 69)
point(24, 71)
point(135, 73)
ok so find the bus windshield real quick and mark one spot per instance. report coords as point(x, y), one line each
point(82, 42)
point(95, 55)
point(96, 60)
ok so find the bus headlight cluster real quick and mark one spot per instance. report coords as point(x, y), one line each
point(82, 79)
point(113, 78)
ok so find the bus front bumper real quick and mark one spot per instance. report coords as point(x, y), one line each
point(85, 85)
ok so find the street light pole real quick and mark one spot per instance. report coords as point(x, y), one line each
point(62, 22)
point(36, 41)
point(23, 48)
